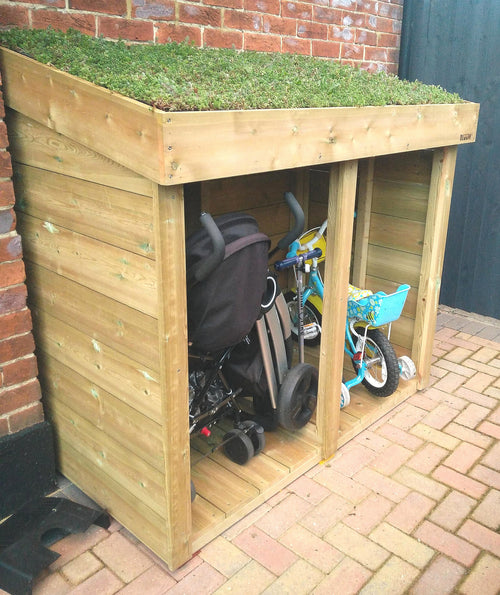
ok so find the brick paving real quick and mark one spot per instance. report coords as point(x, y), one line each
point(411, 505)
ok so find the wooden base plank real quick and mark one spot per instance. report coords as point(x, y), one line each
point(211, 531)
point(222, 488)
point(261, 471)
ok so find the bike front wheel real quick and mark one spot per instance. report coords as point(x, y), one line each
point(382, 368)
point(311, 316)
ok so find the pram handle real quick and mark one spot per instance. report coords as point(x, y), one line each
point(202, 269)
point(291, 261)
point(299, 219)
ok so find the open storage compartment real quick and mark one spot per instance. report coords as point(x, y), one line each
point(105, 187)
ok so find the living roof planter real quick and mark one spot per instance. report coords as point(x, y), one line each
point(102, 202)
point(181, 147)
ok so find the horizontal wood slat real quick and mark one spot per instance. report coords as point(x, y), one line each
point(136, 516)
point(399, 267)
point(116, 217)
point(107, 321)
point(396, 233)
point(124, 424)
point(400, 199)
point(34, 144)
point(126, 277)
point(124, 378)
point(107, 456)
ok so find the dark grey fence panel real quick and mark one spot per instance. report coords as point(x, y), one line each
point(456, 44)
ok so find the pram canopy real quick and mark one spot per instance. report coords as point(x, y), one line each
point(223, 307)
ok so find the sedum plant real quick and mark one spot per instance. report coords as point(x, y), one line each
point(181, 77)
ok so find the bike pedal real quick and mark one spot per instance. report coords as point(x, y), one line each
point(311, 330)
point(357, 359)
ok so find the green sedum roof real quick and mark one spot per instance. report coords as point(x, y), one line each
point(181, 77)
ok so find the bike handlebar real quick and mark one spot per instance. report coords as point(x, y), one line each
point(291, 261)
point(317, 236)
point(299, 220)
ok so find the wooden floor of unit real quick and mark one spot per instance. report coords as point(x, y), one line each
point(226, 492)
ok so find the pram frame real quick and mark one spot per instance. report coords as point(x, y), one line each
point(219, 250)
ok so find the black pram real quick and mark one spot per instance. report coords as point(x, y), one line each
point(240, 337)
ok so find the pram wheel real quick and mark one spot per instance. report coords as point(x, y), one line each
point(255, 433)
point(238, 447)
point(297, 397)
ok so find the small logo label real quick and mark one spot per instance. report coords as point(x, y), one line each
point(465, 136)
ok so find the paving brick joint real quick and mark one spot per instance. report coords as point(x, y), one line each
point(410, 505)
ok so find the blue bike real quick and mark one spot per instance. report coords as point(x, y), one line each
point(373, 358)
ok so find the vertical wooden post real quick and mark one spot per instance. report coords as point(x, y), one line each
point(441, 186)
point(363, 214)
point(341, 200)
point(172, 332)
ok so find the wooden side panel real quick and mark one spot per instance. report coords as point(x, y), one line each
point(89, 244)
point(398, 215)
point(441, 186)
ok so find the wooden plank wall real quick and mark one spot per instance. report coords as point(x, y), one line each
point(89, 248)
point(260, 195)
point(399, 200)
point(391, 211)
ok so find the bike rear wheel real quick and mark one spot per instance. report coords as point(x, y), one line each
point(311, 316)
point(382, 368)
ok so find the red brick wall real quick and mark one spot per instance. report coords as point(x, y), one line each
point(20, 405)
point(361, 32)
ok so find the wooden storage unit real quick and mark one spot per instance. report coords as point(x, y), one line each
point(105, 186)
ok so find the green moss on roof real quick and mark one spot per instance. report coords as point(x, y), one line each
point(180, 77)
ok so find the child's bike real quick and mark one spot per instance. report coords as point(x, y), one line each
point(373, 358)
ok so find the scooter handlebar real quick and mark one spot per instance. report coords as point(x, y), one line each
point(291, 261)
